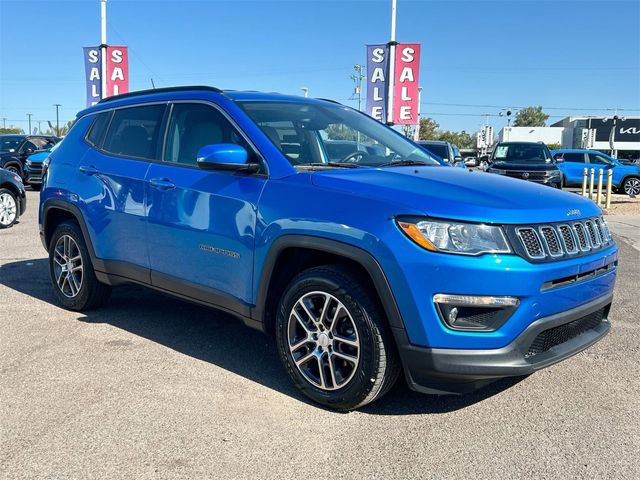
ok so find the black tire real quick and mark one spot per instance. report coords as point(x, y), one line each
point(92, 293)
point(8, 221)
point(36, 187)
point(630, 186)
point(378, 366)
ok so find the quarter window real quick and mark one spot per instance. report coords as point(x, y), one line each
point(193, 126)
point(99, 126)
point(134, 131)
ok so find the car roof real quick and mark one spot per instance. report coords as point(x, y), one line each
point(171, 93)
point(432, 142)
point(576, 150)
point(521, 143)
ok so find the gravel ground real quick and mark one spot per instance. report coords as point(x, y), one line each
point(150, 387)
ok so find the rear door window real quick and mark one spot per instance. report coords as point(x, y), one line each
point(134, 132)
point(574, 157)
point(599, 159)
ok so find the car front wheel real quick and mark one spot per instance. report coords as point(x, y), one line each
point(8, 208)
point(333, 339)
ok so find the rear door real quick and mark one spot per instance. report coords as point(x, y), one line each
point(112, 185)
point(572, 168)
point(202, 223)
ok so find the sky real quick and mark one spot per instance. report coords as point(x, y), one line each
point(571, 57)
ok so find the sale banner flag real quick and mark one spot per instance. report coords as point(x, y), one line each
point(405, 84)
point(92, 66)
point(117, 70)
point(377, 85)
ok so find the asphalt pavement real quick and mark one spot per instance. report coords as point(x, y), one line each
point(150, 387)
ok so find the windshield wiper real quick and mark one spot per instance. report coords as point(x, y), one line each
point(406, 161)
point(331, 164)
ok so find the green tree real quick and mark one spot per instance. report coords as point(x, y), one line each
point(531, 117)
point(428, 128)
point(460, 139)
point(64, 129)
point(11, 130)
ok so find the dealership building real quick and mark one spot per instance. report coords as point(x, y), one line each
point(595, 133)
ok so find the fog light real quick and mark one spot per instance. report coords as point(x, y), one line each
point(474, 313)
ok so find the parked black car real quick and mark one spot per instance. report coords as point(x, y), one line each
point(13, 200)
point(526, 160)
point(14, 150)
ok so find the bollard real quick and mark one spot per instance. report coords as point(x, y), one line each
point(584, 182)
point(591, 175)
point(599, 194)
point(609, 185)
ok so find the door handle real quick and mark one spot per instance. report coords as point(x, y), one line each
point(162, 183)
point(88, 170)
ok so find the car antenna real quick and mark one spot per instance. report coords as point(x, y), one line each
point(153, 85)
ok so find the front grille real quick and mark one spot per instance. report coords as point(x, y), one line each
point(555, 336)
point(527, 175)
point(568, 239)
point(554, 241)
point(531, 242)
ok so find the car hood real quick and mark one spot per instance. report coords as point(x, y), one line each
point(460, 194)
point(529, 167)
point(38, 157)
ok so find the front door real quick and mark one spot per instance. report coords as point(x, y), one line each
point(201, 224)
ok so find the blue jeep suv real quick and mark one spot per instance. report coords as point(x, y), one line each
point(625, 178)
point(363, 267)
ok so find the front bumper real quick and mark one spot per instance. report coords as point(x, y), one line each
point(33, 174)
point(441, 371)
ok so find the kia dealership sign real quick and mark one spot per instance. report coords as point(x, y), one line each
point(116, 74)
point(396, 88)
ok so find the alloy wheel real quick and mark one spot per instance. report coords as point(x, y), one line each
point(632, 186)
point(68, 268)
point(8, 209)
point(323, 340)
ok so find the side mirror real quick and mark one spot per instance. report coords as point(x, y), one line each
point(558, 159)
point(226, 157)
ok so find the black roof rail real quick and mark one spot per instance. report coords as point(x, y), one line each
point(161, 90)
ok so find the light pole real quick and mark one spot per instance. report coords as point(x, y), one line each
point(305, 90)
point(392, 60)
point(29, 115)
point(57, 105)
point(357, 78)
point(103, 48)
point(4, 122)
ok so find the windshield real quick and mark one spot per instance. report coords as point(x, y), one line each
point(311, 134)
point(522, 153)
point(439, 149)
point(10, 143)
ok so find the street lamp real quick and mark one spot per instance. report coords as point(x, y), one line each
point(305, 90)
point(29, 115)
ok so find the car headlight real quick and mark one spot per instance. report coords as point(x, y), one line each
point(455, 237)
point(497, 170)
point(28, 162)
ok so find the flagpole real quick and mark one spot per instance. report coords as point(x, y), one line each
point(103, 48)
point(392, 61)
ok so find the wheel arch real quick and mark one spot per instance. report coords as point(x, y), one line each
point(54, 212)
point(291, 254)
point(626, 177)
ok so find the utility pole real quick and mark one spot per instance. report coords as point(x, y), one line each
point(103, 48)
point(416, 132)
point(357, 78)
point(392, 61)
point(57, 105)
point(39, 129)
point(29, 115)
point(4, 122)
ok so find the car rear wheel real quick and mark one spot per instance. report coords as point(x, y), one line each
point(333, 340)
point(72, 277)
point(631, 186)
point(8, 208)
